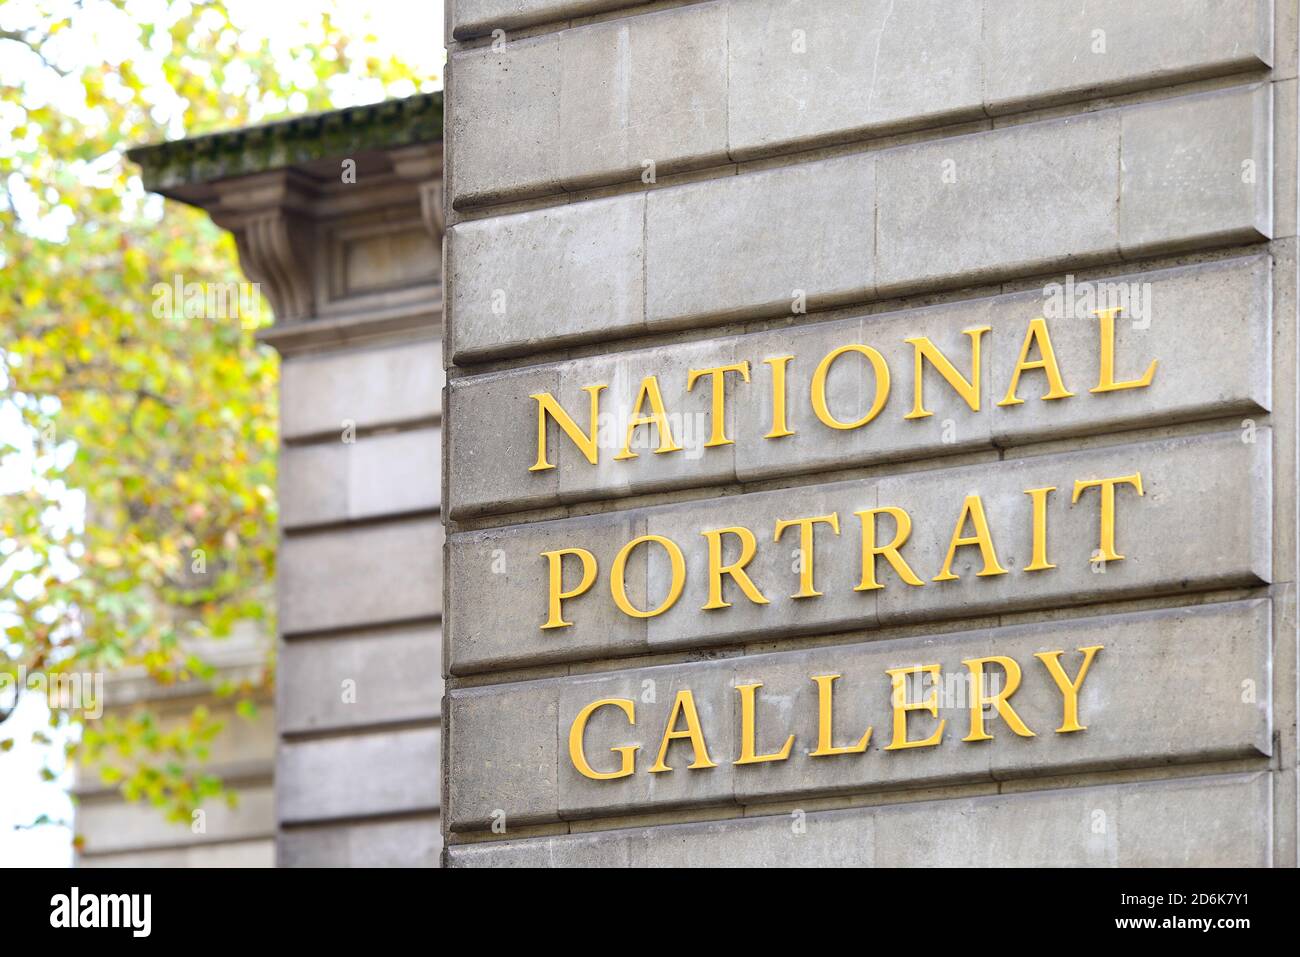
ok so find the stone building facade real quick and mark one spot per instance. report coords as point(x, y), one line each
point(117, 833)
point(871, 432)
point(870, 437)
point(338, 218)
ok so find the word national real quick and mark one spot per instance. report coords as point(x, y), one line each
point(649, 409)
point(684, 723)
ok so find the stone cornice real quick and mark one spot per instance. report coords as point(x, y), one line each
point(311, 212)
point(268, 216)
point(169, 167)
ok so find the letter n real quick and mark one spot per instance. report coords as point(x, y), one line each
point(586, 442)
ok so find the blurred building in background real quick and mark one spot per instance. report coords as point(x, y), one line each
point(118, 833)
point(338, 217)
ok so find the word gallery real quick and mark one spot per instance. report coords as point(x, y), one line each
point(987, 696)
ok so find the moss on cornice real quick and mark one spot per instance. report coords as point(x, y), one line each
point(302, 139)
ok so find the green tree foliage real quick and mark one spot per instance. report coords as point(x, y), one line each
point(165, 424)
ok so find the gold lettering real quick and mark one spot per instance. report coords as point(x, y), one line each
point(825, 709)
point(898, 697)
point(578, 730)
point(1037, 334)
point(736, 569)
point(974, 508)
point(881, 370)
point(748, 747)
point(969, 391)
point(1106, 380)
point(890, 553)
point(586, 443)
point(779, 428)
point(806, 549)
point(1106, 550)
point(658, 417)
point(1069, 689)
point(719, 399)
point(999, 701)
point(556, 592)
point(618, 581)
point(1038, 496)
point(684, 705)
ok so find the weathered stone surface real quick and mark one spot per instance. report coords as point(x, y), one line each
point(471, 18)
point(1209, 326)
point(368, 477)
point(649, 90)
point(251, 853)
point(1210, 822)
point(1194, 662)
point(321, 395)
point(313, 484)
point(358, 679)
point(523, 143)
point(356, 775)
point(1180, 189)
point(696, 85)
point(942, 213)
point(492, 476)
point(626, 98)
point(1104, 826)
point(1048, 50)
point(554, 275)
point(1177, 317)
point(1198, 823)
point(751, 243)
point(482, 473)
point(393, 473)
point(498, 614)
point(497, 581)
point(502, 769)
point(982, 163)
point(409, 842)
point(1225, 511)
point(619, 95)
point(244, 742)
point(121, 826)
point(974, 206)
point(710, 685)
point(773, 568)
point(805, 71)
point(367, 575)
